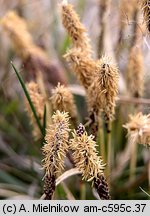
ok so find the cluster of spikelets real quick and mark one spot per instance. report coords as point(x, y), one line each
point(84, 155)
point(102, 93)
point(99, 78)
point(138, 129)
point(75, 29)
point(54, 150)
point(38, 102)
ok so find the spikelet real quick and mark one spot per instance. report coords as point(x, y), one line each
point(84, 67)
point(75, 29)
point(38, 102)
point(49, 186)
point(22, 41)
point(102, 94)
point(86, 158)
point(135, 72)
point(56, 145)
point(138, 129)
point(62, 100)
point(146, 12)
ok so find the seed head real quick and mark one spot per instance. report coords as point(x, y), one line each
point(84, 67)
point(38, 102)
point(21, 39)
point(75, 29)
point(102, 94)
point(62, 100)
point(85, 155)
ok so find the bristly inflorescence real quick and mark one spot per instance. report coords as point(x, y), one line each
point(38, 102)
point(83, 66)
point(87, 160)
point(146, 12)
point(139, 129)
point(102, 94)
point(62, 100)
point(54, 150)
point(56, 146)
point(75, 29)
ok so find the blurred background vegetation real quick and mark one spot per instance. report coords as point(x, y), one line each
point(20, 156)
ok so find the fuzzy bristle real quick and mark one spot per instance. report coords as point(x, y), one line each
point(56, 146)
point(38, 102)
point(62, 100)
point(75, 29)
point(84, 67)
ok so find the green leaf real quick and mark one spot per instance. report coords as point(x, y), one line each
point(28, 98)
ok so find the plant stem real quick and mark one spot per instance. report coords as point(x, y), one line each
point(109, 149)
point(101, 140)
point(133, 160)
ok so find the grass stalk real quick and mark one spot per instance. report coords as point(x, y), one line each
point(133, 160)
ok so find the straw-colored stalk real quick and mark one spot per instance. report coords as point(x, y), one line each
point(62, 100)
point(146, 12)
point(75, 28)
point(138, 132)
point(55, 150)
point(87, 160)
point(103, 15)
point(83, 66)
point(135, 72)
point(38, 102)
